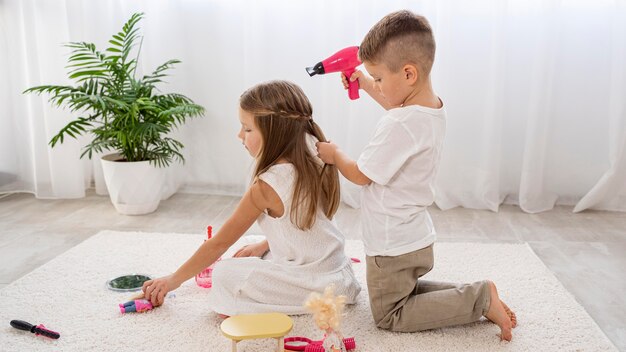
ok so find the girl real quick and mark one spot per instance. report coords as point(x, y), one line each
point(293, 197)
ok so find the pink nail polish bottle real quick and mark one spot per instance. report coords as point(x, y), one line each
point(205, 277)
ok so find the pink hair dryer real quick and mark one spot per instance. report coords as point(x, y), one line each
point(345, 60)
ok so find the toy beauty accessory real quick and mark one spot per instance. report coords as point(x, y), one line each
point(308, 345)
point(345, 60)
point(327, 310)
point(205, 277)
point(127, 283)
point(35, 329)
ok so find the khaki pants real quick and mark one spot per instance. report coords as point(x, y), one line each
point(401, 302)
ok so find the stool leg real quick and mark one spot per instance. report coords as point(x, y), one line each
point(281, 344)
point(234, 346)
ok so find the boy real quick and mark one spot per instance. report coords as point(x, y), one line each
point(397, 170)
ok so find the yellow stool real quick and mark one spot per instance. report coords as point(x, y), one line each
point(257, 326)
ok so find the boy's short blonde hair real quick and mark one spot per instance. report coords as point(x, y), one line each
point(398, 39)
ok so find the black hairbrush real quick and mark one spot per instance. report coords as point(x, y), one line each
point(36, 329)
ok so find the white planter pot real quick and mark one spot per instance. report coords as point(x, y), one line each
point(134, 187)
point(98, 175)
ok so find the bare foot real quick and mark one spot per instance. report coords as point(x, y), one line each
point(510, 313)
point(498, 315)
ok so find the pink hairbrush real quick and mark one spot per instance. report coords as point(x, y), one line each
point(313, 346)
point(35, 329)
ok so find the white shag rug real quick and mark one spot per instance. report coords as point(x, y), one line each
point(68, 295)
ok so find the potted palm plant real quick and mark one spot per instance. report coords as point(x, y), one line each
point(124, 114)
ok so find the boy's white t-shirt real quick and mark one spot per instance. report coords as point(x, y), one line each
point(401, 159)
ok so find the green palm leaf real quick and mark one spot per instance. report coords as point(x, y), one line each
point(124, 113)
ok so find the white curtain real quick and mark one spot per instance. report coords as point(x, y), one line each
point(535, 91)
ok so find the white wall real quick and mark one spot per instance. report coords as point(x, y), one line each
point(534, 89)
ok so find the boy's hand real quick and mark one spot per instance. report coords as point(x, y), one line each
point(366, 83)
point(357, 75)
point(252, 250)
point(326, 151)
point(332, 155)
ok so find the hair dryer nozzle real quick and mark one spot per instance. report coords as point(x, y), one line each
point(318, 69)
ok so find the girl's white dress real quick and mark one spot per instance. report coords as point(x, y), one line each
point(301, 262)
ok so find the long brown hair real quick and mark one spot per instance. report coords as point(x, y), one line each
point(284, 116)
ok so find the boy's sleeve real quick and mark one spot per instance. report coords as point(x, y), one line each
point(391, 146)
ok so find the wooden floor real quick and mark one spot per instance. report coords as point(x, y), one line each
point(586, 252)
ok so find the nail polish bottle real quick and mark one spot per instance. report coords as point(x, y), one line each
point(205, 277)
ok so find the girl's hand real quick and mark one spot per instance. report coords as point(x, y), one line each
point(252, 250)
point(155, 290)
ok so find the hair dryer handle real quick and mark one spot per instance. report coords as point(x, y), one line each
point(353, 87)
